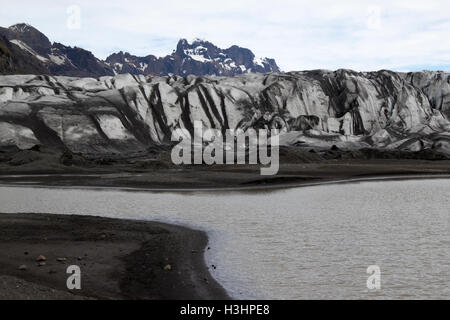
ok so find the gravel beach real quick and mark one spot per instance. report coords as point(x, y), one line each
point(119, 259)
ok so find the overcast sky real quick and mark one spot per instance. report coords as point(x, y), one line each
point(361, 35)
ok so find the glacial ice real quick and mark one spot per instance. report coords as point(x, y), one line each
point(316, 108)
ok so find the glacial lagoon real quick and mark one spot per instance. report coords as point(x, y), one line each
point(300, 243)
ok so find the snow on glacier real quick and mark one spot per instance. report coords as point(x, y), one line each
point(113, 128)
point(13, 134)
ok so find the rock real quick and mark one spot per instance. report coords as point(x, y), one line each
point(168, 267)
point(23, 267)
point(334, 148)
point(41, 258)
point(62, 260)
point(69, 158)
point(24, 157)
point(36, 148)
point(41, 264)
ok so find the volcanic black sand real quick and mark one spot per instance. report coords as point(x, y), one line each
point(154, 169)
point(230, 177)
point(119, 259)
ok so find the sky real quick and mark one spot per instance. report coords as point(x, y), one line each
point(401, 35)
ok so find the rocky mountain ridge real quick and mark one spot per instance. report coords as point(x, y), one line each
point(198, 58)
point(52, 59)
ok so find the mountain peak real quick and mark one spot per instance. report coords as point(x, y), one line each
point(221, 62)
point(31, 36)
point(186, 42)
point(197, 57)
point(198, 40)
point(21, 27)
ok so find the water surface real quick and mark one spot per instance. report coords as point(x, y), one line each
point(303, 243)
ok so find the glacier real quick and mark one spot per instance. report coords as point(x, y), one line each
point(313, 109)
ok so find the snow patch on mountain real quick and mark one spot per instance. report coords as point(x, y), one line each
point(25, 47)
point(260, 61)
point(20, 27)
point(199, 53)
point(58, 59)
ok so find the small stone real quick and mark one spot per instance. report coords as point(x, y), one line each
point(168, 267)
point(41, 264)
point(335, 148)
point(23, 267)
point(41, 258)
point(62, 260)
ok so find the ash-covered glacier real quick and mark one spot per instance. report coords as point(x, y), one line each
point(314, 109)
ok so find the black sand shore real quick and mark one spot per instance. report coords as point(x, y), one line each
point(242, 177)
point(154, 169)
point(119, 259)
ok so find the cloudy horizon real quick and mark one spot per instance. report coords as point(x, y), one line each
point(398, 35)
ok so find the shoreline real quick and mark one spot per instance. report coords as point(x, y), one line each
point(250, 187)
point(119, 259)
point(128, 177)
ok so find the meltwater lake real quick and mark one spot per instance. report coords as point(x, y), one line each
point(301, 243)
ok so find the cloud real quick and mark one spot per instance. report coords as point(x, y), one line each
point(325, 34)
